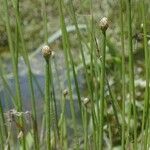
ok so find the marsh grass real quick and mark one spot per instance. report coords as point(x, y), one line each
point(146, 100)
point(123, 74)
point(104, 116)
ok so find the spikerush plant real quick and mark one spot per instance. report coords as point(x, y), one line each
point(18, 101)
point(131, 70)
point(94, 93)
point(29, 75)
point(46, 51)
point(66, 51)
point(103, 26)
point(3, 128)
point(123, 74)
point(145, 122)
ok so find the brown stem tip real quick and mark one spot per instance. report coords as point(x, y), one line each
point(46, 51)
point(104, 24)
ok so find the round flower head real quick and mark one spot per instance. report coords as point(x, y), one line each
point(65, 92)
point(104, 24)
point(46, 51)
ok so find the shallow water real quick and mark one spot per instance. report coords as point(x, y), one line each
point(37, 65)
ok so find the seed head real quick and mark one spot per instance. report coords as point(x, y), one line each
point(104, 24)
point(65, 92)
point(46, 51)
point(87, 102)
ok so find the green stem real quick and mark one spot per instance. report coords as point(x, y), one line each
point(102, 90)
point(48, 82)
point(88, 79)
point(123, 74)
point(3, 129)
point(66, 52)
point(145, 119)
point(47, 102)
point(62, 124)
point(131, 71)
point(85, 130)
point(29, 75)
point(15, 67)
point(81, 48)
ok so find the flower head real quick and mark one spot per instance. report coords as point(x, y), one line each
point(104, 24)
point(46, 51)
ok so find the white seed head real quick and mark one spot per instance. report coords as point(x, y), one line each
point(65, 92)
point(46, 51)
point(104, 24)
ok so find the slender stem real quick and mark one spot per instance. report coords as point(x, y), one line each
point(72, 64)
point(7, 87)
point(131, 71)
point(102, 90)
point(123, 74)
point(1, 138)
point(145, 119)
point(15, 66)
point(66, 52)
point(47, 102)
point(85, 130)
point(3, 129)
point(113, 106)
point(63, 125)
point(48, 82)
point(81, 49)
point(88, 79)
point(30, 82)
point(45, 21)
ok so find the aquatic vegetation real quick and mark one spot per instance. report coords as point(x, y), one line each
point(86, 86)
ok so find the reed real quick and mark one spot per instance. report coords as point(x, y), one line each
point(131, 70)
point(18, 101)
point(145, 121)
point(66, 51)
point(46, 54)
point(103, 26)
point(123, 73)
